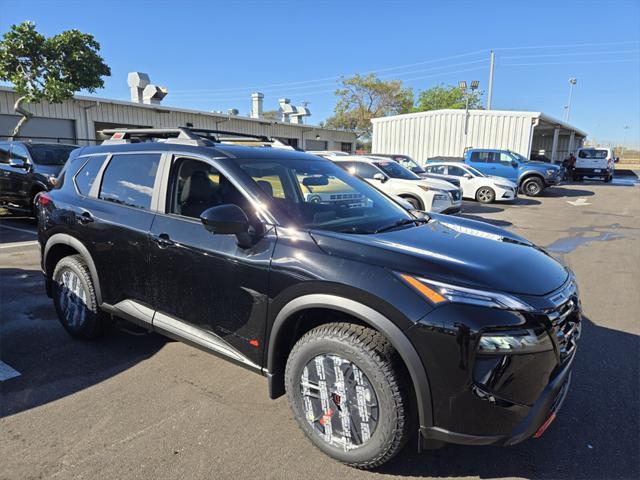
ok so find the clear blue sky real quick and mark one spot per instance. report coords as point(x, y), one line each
point(212, 55)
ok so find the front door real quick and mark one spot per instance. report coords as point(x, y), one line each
point(209, 290)
point(502, 166)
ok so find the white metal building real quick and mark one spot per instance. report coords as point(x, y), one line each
point(441, 133)
point(77, 120)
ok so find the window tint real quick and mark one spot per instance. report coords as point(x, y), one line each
point(19, 152)
point(87, 174)
point(128, 179)
point(50, 154)
point(366, 170)
point(456, 171)
point(505, 158)
point(439, 169)
point(481, 157)
point(4, 152)
point(197, 186)
point(599, 154)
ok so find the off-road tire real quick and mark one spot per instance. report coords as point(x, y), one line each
point(380, 363)
point(532, 186)
point(90, 323)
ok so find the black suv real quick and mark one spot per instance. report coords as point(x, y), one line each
point(375, 321)
point(27, 169)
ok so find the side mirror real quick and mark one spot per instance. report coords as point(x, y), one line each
point(514, 164)
point(467, 175)
point(380, 177)
point(227, 219)
point(18, 163)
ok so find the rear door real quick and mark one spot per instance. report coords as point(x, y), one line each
point(114, 221)
point(594, 159)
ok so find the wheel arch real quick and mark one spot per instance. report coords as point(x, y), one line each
point(61, 245)
point(528, 174)
point(276, 358)
point(406, 195)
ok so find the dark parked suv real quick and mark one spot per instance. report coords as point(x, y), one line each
point(27, 169)
point(377, 322)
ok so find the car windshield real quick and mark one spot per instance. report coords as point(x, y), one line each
point(477, 173)
point(395, 170)
point(316, 194)
point(50, 154)
point(519, 157)
point(410, 164)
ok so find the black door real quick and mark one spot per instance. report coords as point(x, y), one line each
point(114, 221)
point(16, 175)
point(5, 155)
point(208, 289)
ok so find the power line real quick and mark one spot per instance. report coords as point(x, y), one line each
point(597, 62)
point(570, 54)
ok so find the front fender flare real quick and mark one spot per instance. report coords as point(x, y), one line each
point(65, 239)
point(369, 316)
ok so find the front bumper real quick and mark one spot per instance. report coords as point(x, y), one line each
point(548, 404)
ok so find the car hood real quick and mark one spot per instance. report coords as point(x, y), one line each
point(429, 182)
point(534, 163)
point(454, 250)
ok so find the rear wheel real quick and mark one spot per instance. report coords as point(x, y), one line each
point(485, 195)
point(348, 391)
point(75, 300)
point(532, 186)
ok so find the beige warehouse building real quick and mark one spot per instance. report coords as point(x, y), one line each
point(77, 120)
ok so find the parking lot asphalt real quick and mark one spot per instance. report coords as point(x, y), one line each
point(139, 406)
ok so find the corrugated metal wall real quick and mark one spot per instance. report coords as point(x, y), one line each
point(87, 111)
point(544, 144)
point(441, 133)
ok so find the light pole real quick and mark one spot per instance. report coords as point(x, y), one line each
point(467, 92)
point(572, 82)
point(624, 140)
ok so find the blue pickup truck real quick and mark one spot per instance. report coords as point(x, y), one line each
point(532, 177)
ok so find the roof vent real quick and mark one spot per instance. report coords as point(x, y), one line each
point(142, 91)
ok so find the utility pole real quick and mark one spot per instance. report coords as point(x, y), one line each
point(572, 82)
point(492, 64)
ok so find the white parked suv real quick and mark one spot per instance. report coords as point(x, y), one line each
point(426, 194)
point(475, 184)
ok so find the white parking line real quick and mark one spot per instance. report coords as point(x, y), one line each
point(6, 372)
point(19, 244)
point(23, 230)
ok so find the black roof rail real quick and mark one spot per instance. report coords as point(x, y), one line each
point(186, 135)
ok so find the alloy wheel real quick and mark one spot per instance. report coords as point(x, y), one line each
point(339, 402)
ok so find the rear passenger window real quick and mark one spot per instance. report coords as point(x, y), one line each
point(128, 179)
point(87, 174)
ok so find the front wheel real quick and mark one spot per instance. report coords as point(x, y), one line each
point(347, 388)
point(485, 195)
point(533, 186)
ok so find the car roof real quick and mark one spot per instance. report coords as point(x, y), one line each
point(217, 150)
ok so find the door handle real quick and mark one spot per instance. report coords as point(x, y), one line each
point(163, 240)
point(84, 218)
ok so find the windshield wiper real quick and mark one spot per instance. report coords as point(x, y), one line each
point(400, 223)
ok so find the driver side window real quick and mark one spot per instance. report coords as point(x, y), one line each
point(456, 171)
point(197, 186)
point(505, 158)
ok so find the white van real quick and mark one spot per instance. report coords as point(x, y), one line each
point(595, 162)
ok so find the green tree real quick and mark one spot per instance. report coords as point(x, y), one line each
point(50, 69)
point(441, 97)
point(362, 98)
point(272, 115)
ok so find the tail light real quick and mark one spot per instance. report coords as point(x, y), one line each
point(44, 199)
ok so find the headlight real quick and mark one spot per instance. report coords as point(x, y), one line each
point(424, 187)
point(52, 180)
point(504, 187)
point(525, 341)
point(439, 293)
point(551, 172)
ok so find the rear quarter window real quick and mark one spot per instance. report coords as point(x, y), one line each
point(87, 174)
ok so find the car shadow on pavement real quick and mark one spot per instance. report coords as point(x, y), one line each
point(595, 436)
point(51, 363)
point(555, 192)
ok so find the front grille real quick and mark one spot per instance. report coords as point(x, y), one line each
point(565, 321)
